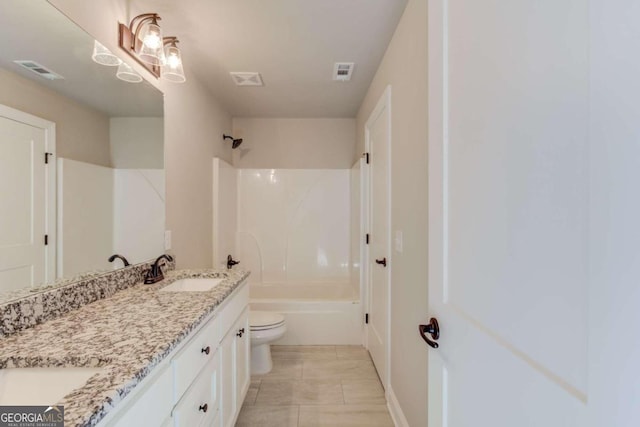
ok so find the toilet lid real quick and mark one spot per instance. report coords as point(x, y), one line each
point(265, 320)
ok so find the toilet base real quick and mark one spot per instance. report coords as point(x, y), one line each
point(261, 362)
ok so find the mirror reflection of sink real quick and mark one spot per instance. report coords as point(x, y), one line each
point(41, 386)
point(192, 285)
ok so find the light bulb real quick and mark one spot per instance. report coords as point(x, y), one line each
point(173, 60)
point(152, 51)
point(172, 69)
point(152, 40)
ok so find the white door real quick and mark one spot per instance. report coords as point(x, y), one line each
point(533, 213)
point(25, 184)
point(377, 134)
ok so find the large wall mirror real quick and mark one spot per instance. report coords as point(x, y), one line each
point(81, 156)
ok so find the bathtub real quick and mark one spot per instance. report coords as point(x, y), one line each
point(315, 313)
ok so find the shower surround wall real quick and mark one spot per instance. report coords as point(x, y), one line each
point(293, 225)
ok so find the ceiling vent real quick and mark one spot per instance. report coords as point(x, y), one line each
point(342, 71)
point(246, 79)
point(40, 70)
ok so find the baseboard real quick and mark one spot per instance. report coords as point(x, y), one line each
point(394, 409)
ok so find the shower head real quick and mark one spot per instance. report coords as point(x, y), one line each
point(236, 142)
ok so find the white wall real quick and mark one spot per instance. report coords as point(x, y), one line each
point(293, 225)
point(82, 133)
point(85, 217)
point(225, 212)
point(102, 211)
point(294, 143)
point(137, 142)
point(138, 212)
point(194, 124)
point(404, 67)
point(615, 260)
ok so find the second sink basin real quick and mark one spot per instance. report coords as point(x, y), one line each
point(41, 386)
point(192, 285)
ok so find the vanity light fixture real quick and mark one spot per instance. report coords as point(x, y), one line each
point(127, 73)
point(104, 56)
point(144, 42)
point(148, 30)
point(172, 69)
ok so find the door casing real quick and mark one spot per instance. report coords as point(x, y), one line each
point(382, 107)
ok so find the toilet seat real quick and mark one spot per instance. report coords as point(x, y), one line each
point(265, 320)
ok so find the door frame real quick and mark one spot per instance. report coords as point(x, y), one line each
point(50, 227)
point(384, 104)
point(437, 140)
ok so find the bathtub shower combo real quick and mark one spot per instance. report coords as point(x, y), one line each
point(293, 231)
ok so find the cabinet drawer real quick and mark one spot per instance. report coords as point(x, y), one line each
point(230, 312)
point(201, 401)
point(194, 356)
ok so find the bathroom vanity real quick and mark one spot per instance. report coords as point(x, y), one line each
point(205, 379)
point(165, 358)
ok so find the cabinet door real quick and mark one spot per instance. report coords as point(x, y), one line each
point(242, 347)
point(151, 405)
point(227, 378)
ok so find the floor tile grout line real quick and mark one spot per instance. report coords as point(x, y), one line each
point(258, 392)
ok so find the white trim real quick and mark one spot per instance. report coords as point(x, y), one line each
point(215, 211)
point(50, 227)
point(60, 219)
point(364, 248)
point(437, 188)
point(399, 420)
point(383, 105)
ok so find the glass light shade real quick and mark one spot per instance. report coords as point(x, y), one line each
point(152, 50)
point(103, 56)
point(128, 74)
point(172, 69)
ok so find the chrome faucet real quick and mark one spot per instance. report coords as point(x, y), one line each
point(116, 256)
point(154, 274)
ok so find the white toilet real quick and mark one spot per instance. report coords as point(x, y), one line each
point(266, 327)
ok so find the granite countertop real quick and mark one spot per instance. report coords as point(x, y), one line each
point(127, 335)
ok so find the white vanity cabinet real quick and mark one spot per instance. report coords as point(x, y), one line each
point(234, 351)
point(203, 382)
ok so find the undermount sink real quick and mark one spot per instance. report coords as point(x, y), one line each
point(192, 285)
point(41, 386)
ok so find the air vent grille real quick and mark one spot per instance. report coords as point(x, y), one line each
point(246, 79)
point(39, 69)
point(342, 71)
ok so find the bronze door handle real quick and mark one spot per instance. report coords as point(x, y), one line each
point(382, 262)
point(433, 329)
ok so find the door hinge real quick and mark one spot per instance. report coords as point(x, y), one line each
point(366, 157)
point(366, 318)
point(46, 239)
point(46, 158)
point(366, 238)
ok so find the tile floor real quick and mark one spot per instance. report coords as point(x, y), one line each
point(316, 386)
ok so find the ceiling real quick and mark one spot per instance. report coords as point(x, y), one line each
point(48, 37)
point(292, 43)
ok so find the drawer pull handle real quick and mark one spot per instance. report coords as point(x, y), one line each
point(239, 334)
point(203, 408)
point(206, 350)
point(242, 330)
